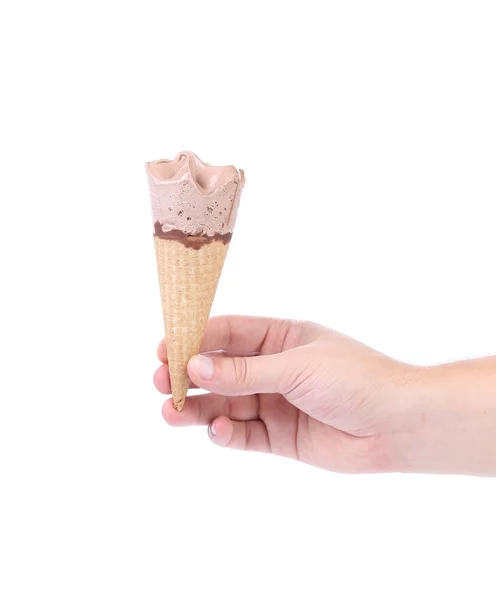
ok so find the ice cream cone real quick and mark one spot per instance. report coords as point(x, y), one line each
point(194, 208)
point(188, 277)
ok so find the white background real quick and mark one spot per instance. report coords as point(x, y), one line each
point(367, 132)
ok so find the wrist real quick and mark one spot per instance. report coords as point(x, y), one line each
point(445, 420)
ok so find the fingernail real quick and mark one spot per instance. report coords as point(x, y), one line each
point(204, 366)
point(211, 428)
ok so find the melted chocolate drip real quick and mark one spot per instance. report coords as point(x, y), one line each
point(190, 241)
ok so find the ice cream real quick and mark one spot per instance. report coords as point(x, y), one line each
point(194, 209)
point(192, 197)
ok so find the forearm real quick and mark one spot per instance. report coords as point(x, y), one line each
point(448, 420)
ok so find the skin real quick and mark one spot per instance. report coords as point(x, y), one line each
point(307, 392)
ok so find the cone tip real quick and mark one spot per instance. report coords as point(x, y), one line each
point(178, 403)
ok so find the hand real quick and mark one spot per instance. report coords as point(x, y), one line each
point(295, 389)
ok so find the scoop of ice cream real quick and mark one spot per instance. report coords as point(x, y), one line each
point(192, 197)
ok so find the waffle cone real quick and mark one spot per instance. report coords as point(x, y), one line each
point(188, 279)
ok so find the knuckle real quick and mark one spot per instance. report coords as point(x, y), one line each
point(283, 334)
point(227, 407)
point(246, 444)
point(239, 370)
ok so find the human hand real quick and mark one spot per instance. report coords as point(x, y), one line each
point(308, 393)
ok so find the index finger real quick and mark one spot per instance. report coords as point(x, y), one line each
point(246, 335)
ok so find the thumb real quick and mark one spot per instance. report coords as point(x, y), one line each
point(240, 375)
